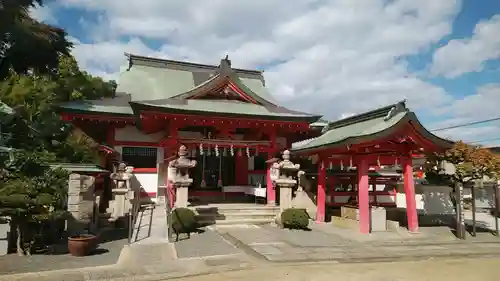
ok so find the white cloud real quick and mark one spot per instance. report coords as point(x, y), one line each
point(335, 58)
point(482, 105)
point(460, 56)
point(345, 53)
point(43, 13)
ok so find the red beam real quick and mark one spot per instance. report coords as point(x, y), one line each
point(195, 120)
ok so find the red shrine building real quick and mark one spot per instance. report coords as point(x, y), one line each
point(351, 150)
point(223, 115)
point(232, 125)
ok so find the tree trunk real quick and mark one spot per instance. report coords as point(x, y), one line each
point(20, 251)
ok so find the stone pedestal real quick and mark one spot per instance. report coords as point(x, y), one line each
point(181, 195)
point(378, 219)
point(286, 194)
point(81, 203)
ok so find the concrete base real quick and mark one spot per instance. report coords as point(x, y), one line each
point(4, 238)
point(181, 196)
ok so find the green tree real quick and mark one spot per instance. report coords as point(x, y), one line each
point(470, 163)
point(35, 98)
point(28, 45)
point(31, 195)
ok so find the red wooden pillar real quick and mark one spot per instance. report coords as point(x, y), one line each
point(321, 196)
point(409, 186)
point(363, 196)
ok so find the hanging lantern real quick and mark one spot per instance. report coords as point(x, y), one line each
point(256, 151)
point(248, 152)
point(201, 149)
point(341, 165)
point(378, 161)
point(331, 165)
point(216, 150)
point(350, 163)
point(395, 161)
point(232, 150)
point(224, 152)
point(240, 153)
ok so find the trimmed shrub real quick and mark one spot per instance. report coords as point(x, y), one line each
point(295, 218)
point(183, 221)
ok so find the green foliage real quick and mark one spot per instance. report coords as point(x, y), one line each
point(28, 45)
point(32, 194)
point(293, 218)
point(183, 220)
point(37, 72)
point(37, 123)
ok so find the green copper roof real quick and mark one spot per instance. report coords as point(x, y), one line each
point(217, 107)
point(79, 168)
point(87, 106)
point(365, 127)
point(167, 85)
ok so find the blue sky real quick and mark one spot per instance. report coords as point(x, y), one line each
point(336, 57)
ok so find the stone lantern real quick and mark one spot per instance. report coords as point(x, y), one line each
point(122, 193)
point(179, 176)
point(282, 175)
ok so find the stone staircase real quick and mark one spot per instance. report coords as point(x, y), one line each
point(232, 214)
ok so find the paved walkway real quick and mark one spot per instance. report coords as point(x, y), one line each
point(224, 248)
point(280, 245)
point(151, 226)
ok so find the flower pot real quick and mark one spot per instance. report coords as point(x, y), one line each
point(81, 245)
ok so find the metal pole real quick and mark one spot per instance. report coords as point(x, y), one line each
point(473, 193)
point(495, 190)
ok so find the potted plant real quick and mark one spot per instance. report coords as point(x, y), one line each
point(82, 244)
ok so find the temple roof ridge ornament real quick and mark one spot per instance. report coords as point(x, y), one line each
point(376, 113)
point(159, 62)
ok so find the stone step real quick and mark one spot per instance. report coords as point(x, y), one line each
point(255, 221)
point(234, 208)
point(237, 215)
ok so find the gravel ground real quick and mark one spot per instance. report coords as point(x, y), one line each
point(442, 270)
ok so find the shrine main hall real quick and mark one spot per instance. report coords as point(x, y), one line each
point(232, 126)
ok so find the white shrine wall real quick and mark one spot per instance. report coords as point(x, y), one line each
point(131, 133)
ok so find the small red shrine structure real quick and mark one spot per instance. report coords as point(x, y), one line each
point(223, 115)
point(390, 135)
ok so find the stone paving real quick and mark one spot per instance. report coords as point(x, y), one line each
point(151, 226)
point(110, 246)
point(280, 245)
point(205, 244)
